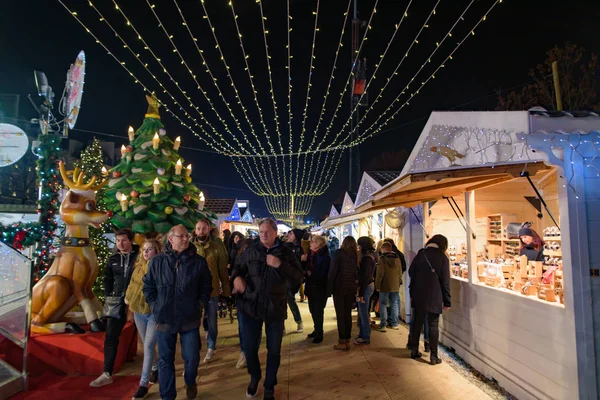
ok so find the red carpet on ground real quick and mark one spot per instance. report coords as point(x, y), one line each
point(70, 354)
point(50, 386)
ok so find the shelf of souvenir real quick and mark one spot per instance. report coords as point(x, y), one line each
point(497, 226)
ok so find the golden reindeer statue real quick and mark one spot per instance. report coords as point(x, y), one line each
point(70, 279)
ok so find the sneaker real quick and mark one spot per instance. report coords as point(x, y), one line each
point(382, 329)
point(141, 393)
point(191, 391)
point(241, 361)
point(252, 390)
point(300, 327)
point(153, 376)
point(269, 395)
point(210, 354)
point(311, 335)
point(102, 380)
point(396, 328)
point(360, 341)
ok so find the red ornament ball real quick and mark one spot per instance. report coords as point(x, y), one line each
point(186, 198)
point(129, 149)
point(110, 213)
point(134, 194)
point(116, 174)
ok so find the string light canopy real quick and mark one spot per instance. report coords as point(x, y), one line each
point(255, 84)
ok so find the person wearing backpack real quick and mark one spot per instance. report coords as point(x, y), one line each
point(388, 279)
point(429, 292)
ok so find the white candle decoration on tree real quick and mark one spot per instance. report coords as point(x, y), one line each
point(156, 186)
point(177, 143)
point(131, 133)
point(123, 150)
point(201, 202)
point(188, 170)
point(178, 167)
point(124, 203)
point(155, 141)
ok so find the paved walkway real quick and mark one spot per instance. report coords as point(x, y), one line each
point(381, 370)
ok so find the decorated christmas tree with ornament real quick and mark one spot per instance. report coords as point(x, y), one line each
point(151, 188)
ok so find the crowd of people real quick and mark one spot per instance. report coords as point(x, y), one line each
point(174, 285)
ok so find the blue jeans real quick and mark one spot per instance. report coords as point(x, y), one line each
point(252, 334)
point(364, 314)
point(241, 331)
point(391, 299)
point(190, 352)
point(146, 327)
point(291, 300)
point(212, 318)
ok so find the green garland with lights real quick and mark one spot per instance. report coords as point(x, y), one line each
point(50, 181)
point(91, 164)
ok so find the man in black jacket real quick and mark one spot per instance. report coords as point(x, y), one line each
point(293, 241)
point(260, 277)
point(177, 287)
point(117, 275)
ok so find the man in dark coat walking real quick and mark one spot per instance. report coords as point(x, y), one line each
point(177, 287)
point(260, 277)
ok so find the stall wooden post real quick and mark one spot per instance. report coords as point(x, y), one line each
point(471, 245)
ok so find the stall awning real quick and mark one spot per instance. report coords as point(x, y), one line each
point(345, 219)
point(422, 187)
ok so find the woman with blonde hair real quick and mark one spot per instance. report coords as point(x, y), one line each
point(144, 320)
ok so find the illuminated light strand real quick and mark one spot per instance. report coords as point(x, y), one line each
point(427, 60)
point(332, 75)
point(255, 93)
point(165, 70)
point(185, 64)
point(380, 62)
point(365, 135)
point(145, 88)
point(208, 70)
point(145, 65)
point(289, 69)
point(272, 91)
point(309, 85)
point(352, 72)
point(382, 57)
point(234, 86)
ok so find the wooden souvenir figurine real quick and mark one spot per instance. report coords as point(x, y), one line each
point(69, 280)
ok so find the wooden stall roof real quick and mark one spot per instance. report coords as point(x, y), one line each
point(422, 187)
point(344, 219)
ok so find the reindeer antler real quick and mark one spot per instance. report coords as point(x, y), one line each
point(76, 183)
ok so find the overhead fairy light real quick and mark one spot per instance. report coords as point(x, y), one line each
point(374, 129)
point(215, 146)
point(427, 60)
point(256, 149)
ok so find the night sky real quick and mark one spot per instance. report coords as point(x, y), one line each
point(515, 37)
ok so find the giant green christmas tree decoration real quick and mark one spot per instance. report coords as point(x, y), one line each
point(92, 164)
point(151, 189)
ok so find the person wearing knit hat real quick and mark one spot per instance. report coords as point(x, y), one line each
point(532, 245)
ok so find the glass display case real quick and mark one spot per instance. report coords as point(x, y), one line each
point(15, 295)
